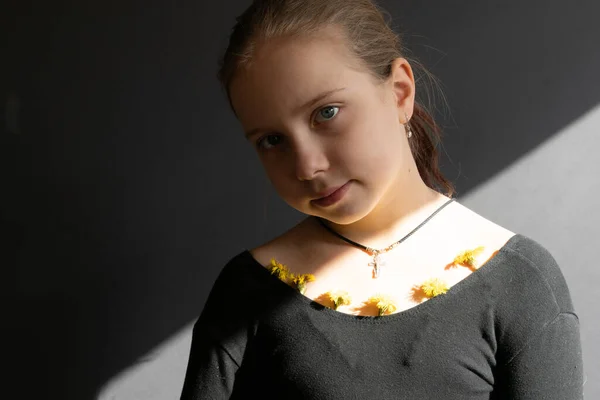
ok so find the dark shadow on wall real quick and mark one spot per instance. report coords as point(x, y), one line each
point(125, 189)
point(514, 73)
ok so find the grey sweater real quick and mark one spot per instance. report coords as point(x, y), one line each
point(506, 331)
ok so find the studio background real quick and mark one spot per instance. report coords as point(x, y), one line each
point(127, 184)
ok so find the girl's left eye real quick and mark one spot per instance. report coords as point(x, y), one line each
point(328, 113)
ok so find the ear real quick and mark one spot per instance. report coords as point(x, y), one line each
point(402, 83)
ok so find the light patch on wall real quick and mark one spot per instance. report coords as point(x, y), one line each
point(157, 375)
point(552, 196)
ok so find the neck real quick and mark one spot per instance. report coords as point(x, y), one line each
point(394, 217)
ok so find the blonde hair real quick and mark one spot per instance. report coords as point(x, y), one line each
point(371, 40)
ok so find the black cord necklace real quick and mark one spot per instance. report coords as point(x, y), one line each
point(375, 253)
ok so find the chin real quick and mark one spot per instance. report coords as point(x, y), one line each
point(343, 214)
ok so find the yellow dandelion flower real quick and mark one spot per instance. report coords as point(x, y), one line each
point(385, 304)
point(301, 280)
point(279, 270)
point(434, 287)
point(468, 257)
point(339, 298)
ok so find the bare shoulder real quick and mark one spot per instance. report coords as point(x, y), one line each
point(288, 245)
point(472, 226)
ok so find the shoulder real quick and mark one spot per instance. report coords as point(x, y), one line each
point(233, 305)
point(523, 266)
point(295, 243)
point(468, 225)
point(516, 249)
point(529, 295)
point(240, 274)
point(239, 289)
point(533, 268)
point(241, 294)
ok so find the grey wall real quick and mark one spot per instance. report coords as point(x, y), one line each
point(126, 183)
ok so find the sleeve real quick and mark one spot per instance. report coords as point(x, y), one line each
point(220, 337)
point(540, 353)
point(211, 368)
point(550, 365)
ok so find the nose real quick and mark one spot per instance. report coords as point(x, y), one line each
point(310, 159)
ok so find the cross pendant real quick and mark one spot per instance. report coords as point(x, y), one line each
point(376, 263)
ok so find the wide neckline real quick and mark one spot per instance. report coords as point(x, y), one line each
point(315, 306)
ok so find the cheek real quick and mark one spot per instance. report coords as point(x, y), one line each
point(279, 180)
point(373, 147)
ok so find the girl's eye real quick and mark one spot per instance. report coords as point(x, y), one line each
point(271, 140)
point(268, 141)
point(327, 112)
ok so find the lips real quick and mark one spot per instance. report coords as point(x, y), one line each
point(332, 195)
point(327, 192)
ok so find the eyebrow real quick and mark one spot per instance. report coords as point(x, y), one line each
point(308, 104)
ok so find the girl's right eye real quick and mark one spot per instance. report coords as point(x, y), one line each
point(268, 141)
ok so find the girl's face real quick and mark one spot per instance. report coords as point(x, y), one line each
point(318, 123)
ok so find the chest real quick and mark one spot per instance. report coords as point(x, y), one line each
point(404, 280)
point(315, 354)
point(407, 275)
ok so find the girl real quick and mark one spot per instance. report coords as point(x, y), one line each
point(389, 288)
